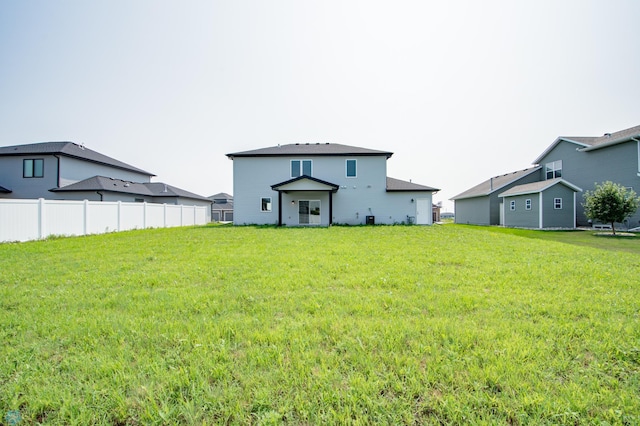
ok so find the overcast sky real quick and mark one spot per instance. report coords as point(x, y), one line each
point(459, 91)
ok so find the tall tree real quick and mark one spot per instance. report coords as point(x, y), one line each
point(610, 203)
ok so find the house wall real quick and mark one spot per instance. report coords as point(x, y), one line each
point(485, 210)
point(521, 217)
point(558, 218)
point(71, 171)
point(474, 211)
point(28, 188)
point(617, 163)
point(356, 198)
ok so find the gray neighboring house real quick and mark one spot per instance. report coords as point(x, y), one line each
point(68, 171)
point(481, 205)
point(321, 184)
point(585, 161)
point(580, 161)
point(545, 204)
point(221, 207)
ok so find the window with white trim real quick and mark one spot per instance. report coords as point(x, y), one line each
point(557, 203)
point(553, 169)
point(351, 166)
point(527, 204)
point(512, 205)
point(33, 168)
point(300, 168)
point(265, 204)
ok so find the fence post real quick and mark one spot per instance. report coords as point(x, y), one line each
point(144, 215)
point(181, 214)
point(41, 218)
point(164, 210)
point(85, 228)
point(119, 214)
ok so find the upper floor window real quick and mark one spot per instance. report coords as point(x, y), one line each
point(351, 168)
point(512, 205)
point(33, 168)
point(300, 168)
point(553, 169)
point(527, 204)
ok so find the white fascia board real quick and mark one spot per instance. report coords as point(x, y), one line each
point(554, 144)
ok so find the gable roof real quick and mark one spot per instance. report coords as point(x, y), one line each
point(397, 185)
point(310, 149)
point(151, 189)
point(220, 196)
point(495, 183)
point(69, 149)
point(536, 187)
point(330, 186)
point(590, 143)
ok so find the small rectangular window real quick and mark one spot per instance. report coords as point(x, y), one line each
point(512, 205)
point(306, 167)
point(351, 168)
point(265, 204)
point(33, 168)
point(527, 204)
point(557, 203)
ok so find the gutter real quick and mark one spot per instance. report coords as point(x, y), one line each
point(609, 143)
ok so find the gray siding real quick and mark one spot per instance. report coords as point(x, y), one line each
point(485, 210)
point(558, 218)
point(11, 177)
point(617, 163)
point(474, 211)
point(521, 217)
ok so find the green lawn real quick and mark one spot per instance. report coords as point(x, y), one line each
point(343, 325)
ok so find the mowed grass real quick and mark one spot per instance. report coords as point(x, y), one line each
point(342, 325)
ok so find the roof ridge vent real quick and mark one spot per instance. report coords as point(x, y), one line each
point(608, 135)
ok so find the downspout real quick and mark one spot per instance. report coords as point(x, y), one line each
point(638, 142)
point(100, 194)
point(58, 178)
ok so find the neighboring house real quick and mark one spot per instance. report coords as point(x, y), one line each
point(481, 205)
point(323, 184)
point(221, 207)
point(545, 204)
point(68, 171)
point(585, 161)
point(581, 162)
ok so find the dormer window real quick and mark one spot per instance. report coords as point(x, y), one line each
point(554, 169)
point(300, 168)
point(33, 168)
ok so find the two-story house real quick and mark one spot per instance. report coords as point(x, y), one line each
point(323, 184)
point(69, 171)
point(551, 193)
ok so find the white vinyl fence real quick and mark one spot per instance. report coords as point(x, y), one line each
point(24, 220)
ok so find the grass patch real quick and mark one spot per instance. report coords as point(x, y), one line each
point(343, 325)
point(625, 242)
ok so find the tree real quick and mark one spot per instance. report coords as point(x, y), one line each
point(610, 202)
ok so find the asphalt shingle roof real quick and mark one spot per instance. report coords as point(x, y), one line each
point(494, 184)
point(535, 187)
point(152, 189)
point(397, 185)
point(69, 149)
point(309, 149)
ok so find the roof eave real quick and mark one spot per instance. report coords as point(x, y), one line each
point(610, 143)
point(554, 144)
